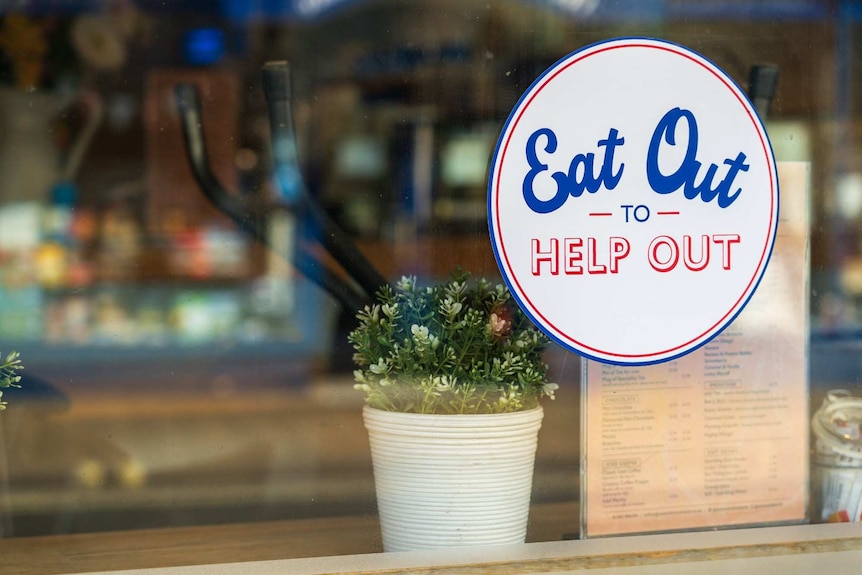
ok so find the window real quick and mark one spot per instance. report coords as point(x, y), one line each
point(183, 374)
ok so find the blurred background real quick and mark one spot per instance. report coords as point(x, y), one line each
point(180, 373)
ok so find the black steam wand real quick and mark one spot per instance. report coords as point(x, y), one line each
point(276, 84)
point(252, 217)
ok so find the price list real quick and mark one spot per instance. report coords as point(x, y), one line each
point(718, 437)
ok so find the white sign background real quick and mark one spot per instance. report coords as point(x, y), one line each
point(634, 314)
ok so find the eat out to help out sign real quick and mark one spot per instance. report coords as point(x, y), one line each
point(633, 201)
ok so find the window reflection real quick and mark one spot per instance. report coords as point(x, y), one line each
point(179, 372)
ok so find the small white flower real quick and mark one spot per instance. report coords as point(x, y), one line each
point(450, 308)
point(549, 389)
point(359, 376)
point(369, 314)
point(406, 283)
point(389, 310)
point(442, 383)
point(380, 367)
point(420, 332)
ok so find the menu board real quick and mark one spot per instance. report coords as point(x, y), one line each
point(718, 437)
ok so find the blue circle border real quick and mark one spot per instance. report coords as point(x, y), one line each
point(491, 180)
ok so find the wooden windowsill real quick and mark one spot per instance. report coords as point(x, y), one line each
point(351, 545)
point(232, 543)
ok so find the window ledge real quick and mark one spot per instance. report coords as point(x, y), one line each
point(790, 550)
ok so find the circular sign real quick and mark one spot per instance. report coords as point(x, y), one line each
point(633, 201)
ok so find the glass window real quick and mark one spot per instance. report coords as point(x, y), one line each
point(187, 362)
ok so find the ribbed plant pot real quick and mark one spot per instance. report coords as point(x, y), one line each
point(452, 480)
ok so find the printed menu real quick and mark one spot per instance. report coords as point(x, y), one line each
point(718, 437)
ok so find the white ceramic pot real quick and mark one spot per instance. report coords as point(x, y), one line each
point(452, 480)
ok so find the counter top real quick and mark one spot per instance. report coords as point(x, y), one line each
point(178, 546)
point(352, 545)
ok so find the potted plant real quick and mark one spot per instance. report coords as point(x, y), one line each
point(453, 375)
point(9, 377)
